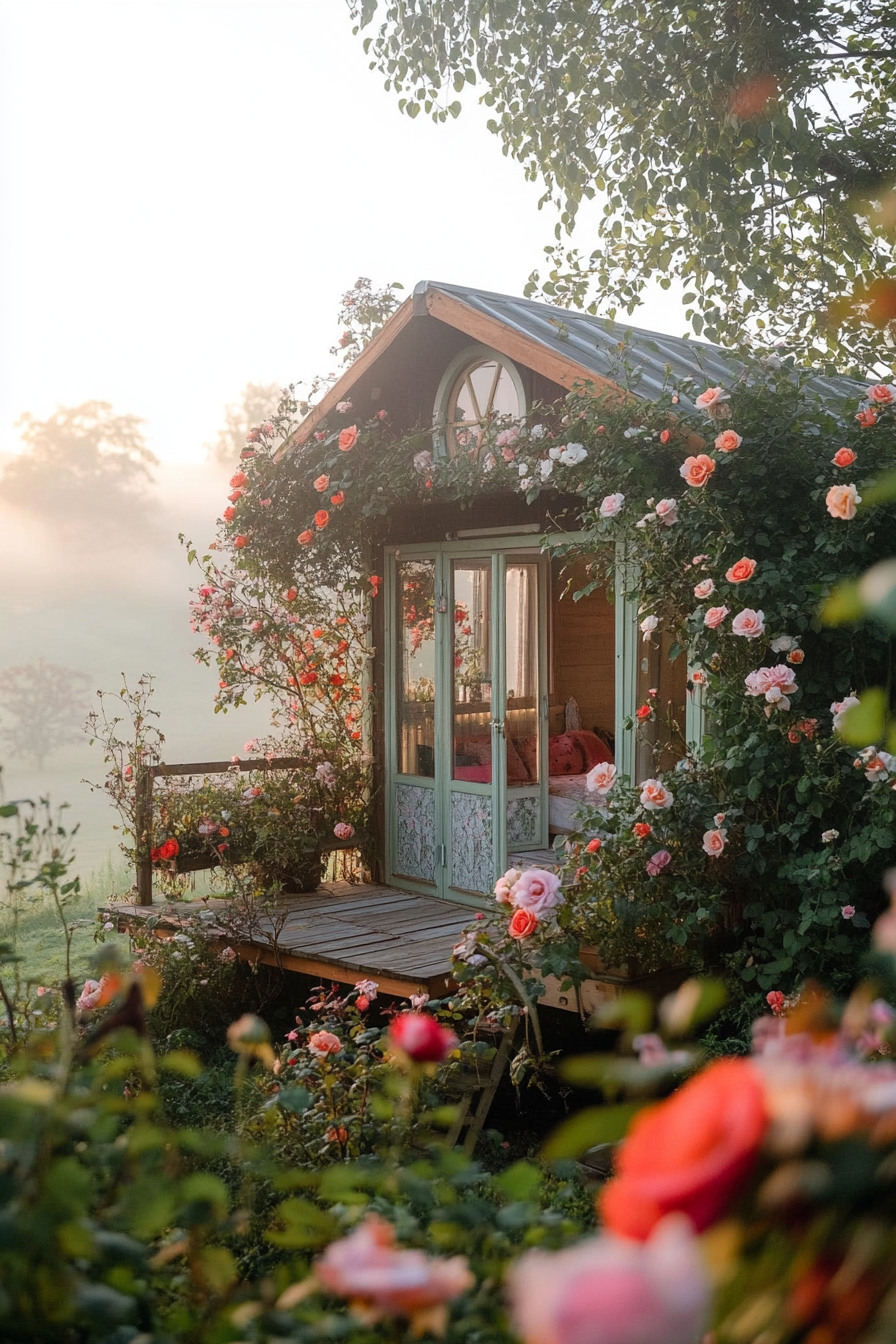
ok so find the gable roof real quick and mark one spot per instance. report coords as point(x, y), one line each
point(566, 346)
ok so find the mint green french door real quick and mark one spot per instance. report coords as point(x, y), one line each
point(466, 714)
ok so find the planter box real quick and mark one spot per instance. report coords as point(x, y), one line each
point(609, 982)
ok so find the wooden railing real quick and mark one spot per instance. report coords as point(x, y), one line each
point(143, 810)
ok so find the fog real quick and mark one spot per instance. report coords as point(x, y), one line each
point(78, 595)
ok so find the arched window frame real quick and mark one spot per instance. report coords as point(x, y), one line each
point(465, 359)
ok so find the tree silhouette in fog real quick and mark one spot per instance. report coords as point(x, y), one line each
point(84, 465)
point(42, 708)
point(257, 402)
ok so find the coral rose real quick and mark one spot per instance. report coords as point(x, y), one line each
point(321, 518)
point(841, 501)
point(749, 624)
point(422, 1038)
point(655, 795)
point(880, 393)
point(523, 924)
point(537, 890)
point(593, 846)
point(705, 588)
point(697, 470)
point(844, 457)
point(367, 1268)
point(867, 418)
point(727, 441)
point(601, 778)
point(348, 437)
point(338, 498)
point(321, 484)
point(641, 829)
point(607, 1290)
point(324, 1043)
point(305, 538)
point(229, 514)
point(741, 571)
point(689, 1154)
point(239, 542)
point(714, 617)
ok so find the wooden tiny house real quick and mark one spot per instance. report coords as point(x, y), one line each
point(496, 695)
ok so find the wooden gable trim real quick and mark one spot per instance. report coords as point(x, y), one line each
point(368, 356)
point(504, 338)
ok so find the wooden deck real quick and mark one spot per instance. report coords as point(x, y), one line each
point(339, 932)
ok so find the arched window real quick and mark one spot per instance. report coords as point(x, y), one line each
point(479, 387)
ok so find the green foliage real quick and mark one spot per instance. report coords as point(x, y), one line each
point(771, 200)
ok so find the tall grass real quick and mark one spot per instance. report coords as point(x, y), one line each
point(31, 923)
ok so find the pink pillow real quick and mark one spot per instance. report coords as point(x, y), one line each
point(565, 755)
point(594, 750)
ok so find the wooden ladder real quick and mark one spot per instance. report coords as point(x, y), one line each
point(483, 1088)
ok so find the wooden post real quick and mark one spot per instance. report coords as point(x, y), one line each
point(143, 836)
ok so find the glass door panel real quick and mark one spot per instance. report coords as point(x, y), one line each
point(414, 824)
point(475, 749)
point(523, 702)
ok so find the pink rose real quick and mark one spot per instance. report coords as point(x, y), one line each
point(657, 862)
point(655, 795)
point(697, 470)
point(343, 830)
point(841, 501)
point(881, 393)
point(714, 617)
point(321, 483)
point(776, 1001)
point(537, 890)
point(727, 441)
point(763, 679)
point(667, 511)
point(612, 1290)
point(323, 1044)
point(749, 623)
point(711, 397)
point(422, 1038)
point(714, 842)
point(610, 505)
point(847, 911)
point(704, 589)
point(366, 1267)
point(840, 708)
point(504, 885)
point(602, 778)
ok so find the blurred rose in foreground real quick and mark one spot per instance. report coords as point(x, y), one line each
point(608, 1290)
point(422, 1038)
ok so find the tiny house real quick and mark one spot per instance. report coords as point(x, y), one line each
point(495, 697)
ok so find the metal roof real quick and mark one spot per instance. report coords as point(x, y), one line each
point(594, 342)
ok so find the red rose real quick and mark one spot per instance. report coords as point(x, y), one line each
point(170, 849)
point(641, 829)
point(592, 846)
point(321, 518)
point(689, 1154)
point(867, 418)
point(643, 712)
point(422, 1038)
point(155, 855)
point(308, 678)
point(338, 498)
point(229, 513)
point(844, 457)
point(240, 541)
point(523, 923)
point(305, 538)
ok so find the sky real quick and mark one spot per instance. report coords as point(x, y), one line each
point(190, 185)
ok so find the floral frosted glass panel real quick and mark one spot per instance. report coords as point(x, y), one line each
point(472, 851)
point(415, 832)
point(482, 393)
point(471, 672)
point(416, 663)
point(521, 672)
point(523, 821)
